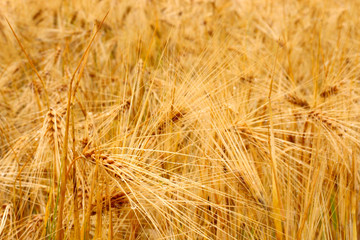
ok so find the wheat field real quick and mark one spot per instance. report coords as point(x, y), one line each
point(175, 119)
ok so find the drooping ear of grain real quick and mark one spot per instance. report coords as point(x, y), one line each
point(329, 91)
point(296, 100)
point(179, 120)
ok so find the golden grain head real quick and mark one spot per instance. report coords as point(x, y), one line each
point(179, 120)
